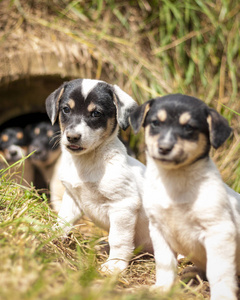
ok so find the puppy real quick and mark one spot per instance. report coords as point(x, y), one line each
point(46, 158)
point(191, 211)
point(101, 180)
point(14, 144)
point(43, 142)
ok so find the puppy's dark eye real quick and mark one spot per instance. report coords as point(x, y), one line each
point(155, 123)
point(188, 128)
point(66, 109)
point(96, 114)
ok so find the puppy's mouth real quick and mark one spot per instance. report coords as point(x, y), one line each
point(75, 148)
point(165, 160)
point(170, 162)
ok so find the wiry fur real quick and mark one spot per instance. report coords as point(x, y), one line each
point(191, 210)
point(101, 180)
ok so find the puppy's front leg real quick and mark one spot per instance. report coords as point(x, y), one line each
point(165, 258)
point(121, 239)
point(69, 212)
point(221, 262)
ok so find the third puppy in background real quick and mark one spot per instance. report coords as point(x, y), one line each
point(191, 210)
point(44, 140)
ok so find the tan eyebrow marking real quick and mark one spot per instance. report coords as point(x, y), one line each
point(71, 103)
point(50, 133)
point(19, 135)
point(37, 131)
point(184, 118)
point(209, 121)
point(5, 138)
point(91, 107)
point(162, 115)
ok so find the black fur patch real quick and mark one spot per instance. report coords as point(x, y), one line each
point(102, 98)
point(42, 141)
point(175, 106)
point(186, 119)
point(12, 134)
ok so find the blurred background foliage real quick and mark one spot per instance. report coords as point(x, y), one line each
point(148, 48)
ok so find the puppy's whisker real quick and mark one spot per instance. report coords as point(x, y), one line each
point(56, 143)
point(55, 136)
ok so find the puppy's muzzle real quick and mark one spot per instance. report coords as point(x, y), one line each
point(39, 153)
point(13, 153)
point(165, 148)
point(73, 137)
point(166, 144)
point(74, 141)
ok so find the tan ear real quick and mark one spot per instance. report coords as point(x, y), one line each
point(124, 104)
point(52, 103)
point(138, 117)
point(219, 130)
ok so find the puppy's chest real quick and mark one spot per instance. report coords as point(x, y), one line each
point(84, 188)
point(181, 230)
point(92, 202)
point(177, 220)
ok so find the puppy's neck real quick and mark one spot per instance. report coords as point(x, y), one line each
point(90, 167)
point(184, 177)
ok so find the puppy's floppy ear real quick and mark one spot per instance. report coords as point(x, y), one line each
point(219, 129)
point(125, 105)
point(138, 116)
point(52, 103)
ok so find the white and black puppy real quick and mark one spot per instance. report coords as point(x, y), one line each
point(191, 211)
point(14, 142)
point(46, 157)
point(101, 180)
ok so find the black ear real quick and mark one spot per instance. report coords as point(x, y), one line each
point(124, 104)
point(52, 103)
point(218, 128)
point(138, 116)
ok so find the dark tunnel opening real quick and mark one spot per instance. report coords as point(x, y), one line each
point(24, 120)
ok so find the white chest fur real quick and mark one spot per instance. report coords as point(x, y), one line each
point(184, 205)
point(102, 179)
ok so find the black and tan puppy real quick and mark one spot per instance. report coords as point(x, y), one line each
point(14, 143)
point(101, 180)
point(44, 141)
point(191, 210)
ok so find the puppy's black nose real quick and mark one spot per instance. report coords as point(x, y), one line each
point(73, 137)
point(37, 152)
point(13, 153)
point(165, 148)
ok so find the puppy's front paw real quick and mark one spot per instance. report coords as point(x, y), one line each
point(161, 288)
point(114, 266)
point(164, 281)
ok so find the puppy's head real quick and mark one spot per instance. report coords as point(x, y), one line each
point(14, 142)
point(43, 140)
point(179, 129)
point(89, 112)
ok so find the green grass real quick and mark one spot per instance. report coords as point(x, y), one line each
point(36, 263)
